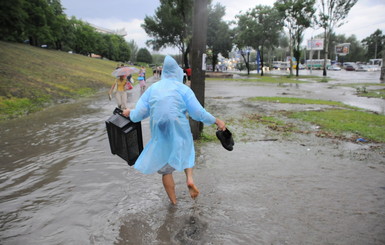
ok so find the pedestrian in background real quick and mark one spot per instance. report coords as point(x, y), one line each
point(142, 79)
point(118, 87)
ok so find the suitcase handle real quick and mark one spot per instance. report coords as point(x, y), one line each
point(120, 112)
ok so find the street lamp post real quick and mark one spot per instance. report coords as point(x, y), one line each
point(382, 76)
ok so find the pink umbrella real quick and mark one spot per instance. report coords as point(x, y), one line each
point(124, 71)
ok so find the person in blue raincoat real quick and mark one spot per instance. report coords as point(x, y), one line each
point(171, 146)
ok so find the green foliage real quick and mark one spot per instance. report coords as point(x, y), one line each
point(297, 16)
point(134, 50)
point(331, 15)
point(375, 43)
point(258, 28)
point(218, 34)
point(171, 25)
point(42, 22)
point(12, 20)
point(144, 56)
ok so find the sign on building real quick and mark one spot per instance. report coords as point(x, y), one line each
point(342, 49)
point(315, 44)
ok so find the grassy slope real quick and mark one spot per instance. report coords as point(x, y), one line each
point(31, 78)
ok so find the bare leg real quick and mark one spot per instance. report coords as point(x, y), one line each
point(169, 186)
point(194, 192)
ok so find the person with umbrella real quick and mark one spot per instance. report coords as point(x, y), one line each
point(118, 87)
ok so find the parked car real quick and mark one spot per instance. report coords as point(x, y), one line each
point(362, 68)
point(374, 68)
point(350, 68)
point(346, 64)
point(334, 68)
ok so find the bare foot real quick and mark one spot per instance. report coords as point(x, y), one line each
point(194, 192)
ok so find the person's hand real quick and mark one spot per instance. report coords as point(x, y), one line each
point(220, 124)
point(126, 112)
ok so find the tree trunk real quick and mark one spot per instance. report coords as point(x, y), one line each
point(297, 54)
point(261, 57)
point(214, 61)
point(246, 63)
point(382, 74)
point(326, 43)
point(185, 56)
point(198, 47)
point(291, 53)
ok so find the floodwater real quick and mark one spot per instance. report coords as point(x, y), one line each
point(59, 183)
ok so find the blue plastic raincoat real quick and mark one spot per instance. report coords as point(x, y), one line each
point(166, 103)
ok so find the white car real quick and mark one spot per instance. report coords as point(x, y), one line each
point(334, 68)
point(363, 68)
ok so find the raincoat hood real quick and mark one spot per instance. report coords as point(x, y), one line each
point(171, 70)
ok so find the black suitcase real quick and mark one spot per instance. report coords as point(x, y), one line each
point(125, 137)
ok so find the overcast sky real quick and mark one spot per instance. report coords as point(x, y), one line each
point(364, 18)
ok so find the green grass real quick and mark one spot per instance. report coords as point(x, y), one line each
point(362, 124)
point(31, 77)
point(373, 93)
point(292, 100)
point(355, 85)
point(348, 120)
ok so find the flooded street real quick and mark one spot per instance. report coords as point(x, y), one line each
point(59, 183)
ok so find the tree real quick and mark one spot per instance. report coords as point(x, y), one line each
point(280, 52)
point(218, 33)
point(144, 56)
point(297, 16)
point(241, 38)
point(12, 20)
point(57, 23)
point(171, 26)
point(375, 43)
point(84, 38)
point(124, 49)
point(258, 28)
point(331, 15)
point(134, 50)
point(36, 25)
point(101, 45)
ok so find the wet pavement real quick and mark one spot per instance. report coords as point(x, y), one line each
point(59, 183)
